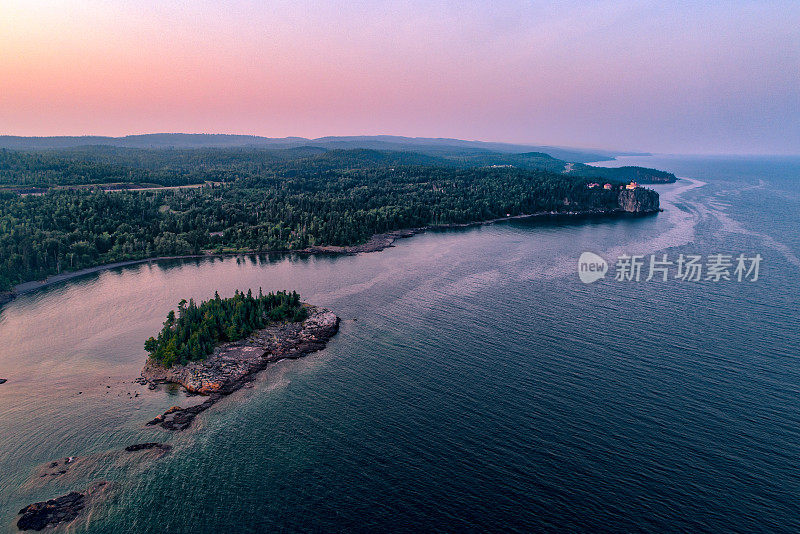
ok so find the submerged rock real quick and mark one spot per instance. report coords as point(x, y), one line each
point(148, 446)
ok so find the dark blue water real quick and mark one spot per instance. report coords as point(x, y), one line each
point(476, 384)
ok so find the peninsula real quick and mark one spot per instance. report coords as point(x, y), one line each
point(83, 208)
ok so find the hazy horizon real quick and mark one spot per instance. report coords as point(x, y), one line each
point(621, 151)
point(718, 78)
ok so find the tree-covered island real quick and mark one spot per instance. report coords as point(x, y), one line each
point(192, 334)
point(216, 347)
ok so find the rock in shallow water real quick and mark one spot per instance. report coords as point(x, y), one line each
point(148, 446)
point(64, 509)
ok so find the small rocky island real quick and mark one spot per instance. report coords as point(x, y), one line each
point(279, 327)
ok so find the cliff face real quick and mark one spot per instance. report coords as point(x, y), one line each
point(639, 200)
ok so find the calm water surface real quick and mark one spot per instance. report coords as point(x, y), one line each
point(476, 383)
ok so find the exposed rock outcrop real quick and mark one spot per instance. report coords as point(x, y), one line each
point(64, 509)
point(232, 365)
point(177, 418)
point(376, 242)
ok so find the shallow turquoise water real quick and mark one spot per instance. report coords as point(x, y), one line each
point(476, 382)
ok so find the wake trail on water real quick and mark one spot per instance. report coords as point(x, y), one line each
point(732, 226)
point(683, 216)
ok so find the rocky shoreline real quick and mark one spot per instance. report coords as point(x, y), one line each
point(232, 365)
point(7, 296)
point(631, 203)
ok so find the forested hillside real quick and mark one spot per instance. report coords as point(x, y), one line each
point(260, 201)
point(96, 165)
point(431, 146)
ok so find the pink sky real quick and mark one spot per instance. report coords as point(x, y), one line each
point(723, 77)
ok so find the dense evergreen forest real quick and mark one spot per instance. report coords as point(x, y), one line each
point(253, 200)
point(175, 167)
point(192, 334)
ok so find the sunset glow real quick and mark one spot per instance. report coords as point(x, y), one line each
point(657, 76)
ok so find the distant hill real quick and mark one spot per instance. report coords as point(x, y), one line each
point(430, 146)
point(99, 164)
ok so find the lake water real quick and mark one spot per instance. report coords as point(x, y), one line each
point(476, 383)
